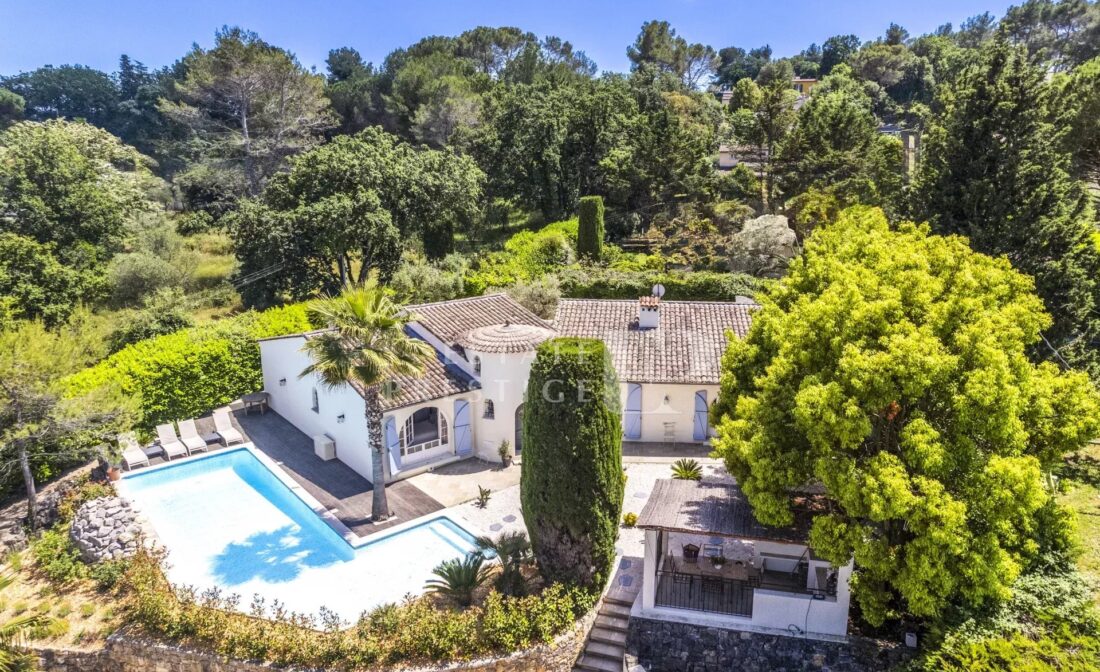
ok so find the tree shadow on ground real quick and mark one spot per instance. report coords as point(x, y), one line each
point(274, 556)
point(1082, 468)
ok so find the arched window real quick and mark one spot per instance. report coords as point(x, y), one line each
point(423, 429)
point(490, 410)
point(477, 365)
point(316, 402)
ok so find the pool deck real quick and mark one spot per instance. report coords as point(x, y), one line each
point(334, 484)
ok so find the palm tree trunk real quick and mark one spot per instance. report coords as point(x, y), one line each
point(28, 480)
point(380, 508)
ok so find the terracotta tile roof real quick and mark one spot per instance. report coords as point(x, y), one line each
point(505, 338)
point(710, 508)
point(449, 320)
point(687, 347)
point(440, 379)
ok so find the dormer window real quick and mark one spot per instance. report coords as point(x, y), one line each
point(490, 410)
point(477, 365)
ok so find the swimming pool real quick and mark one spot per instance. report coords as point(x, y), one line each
point(228, 521)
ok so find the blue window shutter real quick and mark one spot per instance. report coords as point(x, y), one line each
point(393, 446)
point(632, 416)
point(464, 444)
point(699, 432)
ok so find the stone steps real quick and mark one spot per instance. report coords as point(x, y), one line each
point(608, 636)
point(597, 664)
point(606, 645)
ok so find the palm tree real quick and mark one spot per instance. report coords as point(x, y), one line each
point(512, 549)
point(366, 345)
point(458, 579)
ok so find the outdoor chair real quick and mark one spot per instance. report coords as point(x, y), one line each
point(132, 454)
point(223, 427)
point(169, 442)
point(691, 553)
point(189, 435)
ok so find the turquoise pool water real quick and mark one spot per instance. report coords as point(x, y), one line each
point(228, 522)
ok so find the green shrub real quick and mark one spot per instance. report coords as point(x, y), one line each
point(136, 274)
point(413, 632)
point(593, 282)
point(56, 558)
point(590, 231)
point(528, 255)
point(85, 491)
point(571, 486)
point(190, 372)
point(459, 578)
point(538, 296)
point(165, 311)
point(418, 280)
point(687, 470)
point(630, 519)
point(107, 574)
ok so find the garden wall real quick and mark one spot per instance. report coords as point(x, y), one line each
point(13, 515)
point(662, 646)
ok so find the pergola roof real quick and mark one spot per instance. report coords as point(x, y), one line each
point(715, 509)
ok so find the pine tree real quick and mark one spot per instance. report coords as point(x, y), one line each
point(571, 487)
point(993, 170)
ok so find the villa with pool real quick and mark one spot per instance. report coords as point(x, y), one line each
point(285, 514)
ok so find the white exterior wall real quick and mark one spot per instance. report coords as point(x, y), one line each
point(680, 409)
point(283, 359)
point(504, 382)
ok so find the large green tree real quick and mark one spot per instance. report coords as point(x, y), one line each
point(341, 210)
point(67, 92)
point(366, 345)
point(34, 284)
point(572, 483)
point(762, 117)
point(248, 106)
point(995, 169)
point(74, 185)
point(658, 46)
point(891, 367)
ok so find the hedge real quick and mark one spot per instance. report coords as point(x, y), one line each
point(187, 373)
point(593, 282)
point(571, 488)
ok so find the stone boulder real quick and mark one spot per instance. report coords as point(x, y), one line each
point(763, 247)
point(106, 529)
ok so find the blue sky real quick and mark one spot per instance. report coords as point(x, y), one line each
point(157, 32)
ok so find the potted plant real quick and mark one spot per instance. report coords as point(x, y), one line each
point(718, 561)
point(505, 452)
point(111, 460)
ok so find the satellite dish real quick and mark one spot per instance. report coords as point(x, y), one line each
point(658, 290)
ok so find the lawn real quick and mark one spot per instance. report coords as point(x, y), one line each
point(1081, 485)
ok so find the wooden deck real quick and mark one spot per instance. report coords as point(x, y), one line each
point(333, 483)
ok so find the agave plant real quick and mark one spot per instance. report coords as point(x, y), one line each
point(12, 656)
point(687, 470)
point(458, 579)
point(513, 550)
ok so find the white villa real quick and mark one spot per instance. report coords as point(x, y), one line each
point(708, 562)
point(470, 399)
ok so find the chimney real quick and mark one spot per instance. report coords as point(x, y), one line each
point(649, 312)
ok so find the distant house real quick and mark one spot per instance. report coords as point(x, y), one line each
point(804, 85)
point(710, 563)
point(471, 396)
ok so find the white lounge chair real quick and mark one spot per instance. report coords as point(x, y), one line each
point(132, 454)
point(170, 442)
point(189, 435)
point(223, 427)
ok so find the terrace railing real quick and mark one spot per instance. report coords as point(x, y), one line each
point(699, 592)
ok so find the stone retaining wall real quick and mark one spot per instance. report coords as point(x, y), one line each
point(663, 646)
point(125, 652)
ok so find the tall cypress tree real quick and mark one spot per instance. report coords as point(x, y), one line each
point(590, 227)
point(571, 487)
point(994, 170)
